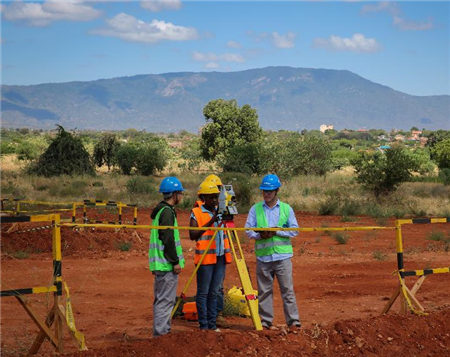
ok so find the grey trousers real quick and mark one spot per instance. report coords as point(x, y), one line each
point(165, 292)
point(265, 273)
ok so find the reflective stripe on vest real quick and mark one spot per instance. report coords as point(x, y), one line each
point(276, 244)
point(202, 243)
point(157, 261)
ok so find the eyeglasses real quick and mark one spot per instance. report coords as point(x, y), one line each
point(268, 192)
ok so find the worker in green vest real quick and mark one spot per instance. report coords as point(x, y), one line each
point(273, 252)
point(165, 254)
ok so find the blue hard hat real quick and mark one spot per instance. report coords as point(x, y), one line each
point(270, 182)
point(170, 184)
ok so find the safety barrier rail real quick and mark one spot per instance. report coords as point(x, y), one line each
point(407, 296)
point(58, 315)
point(18, 208)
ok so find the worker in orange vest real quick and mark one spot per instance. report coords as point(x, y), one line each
point(211, 273)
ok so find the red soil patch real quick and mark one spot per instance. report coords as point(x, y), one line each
point(341, 289)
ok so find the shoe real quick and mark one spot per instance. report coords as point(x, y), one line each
point(271, 328)
point(216, 330)
point(295, 326)
point(221, 322)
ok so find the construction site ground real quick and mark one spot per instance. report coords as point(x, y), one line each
point(341, 290)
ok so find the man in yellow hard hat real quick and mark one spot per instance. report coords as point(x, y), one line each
point(211, 273)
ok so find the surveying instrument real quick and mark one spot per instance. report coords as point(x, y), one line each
point(226, 211)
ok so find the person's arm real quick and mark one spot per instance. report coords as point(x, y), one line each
point(167, 218)
point(291, 223)
point(195, 235)
point(251, 223)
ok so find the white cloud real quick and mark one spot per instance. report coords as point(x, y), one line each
point(212, 57)
point(398, 20)
point(212, 65)
point(284, 41)
point(233, 44)
point(358, 43)
point(278, 40)
point(128, 28)
point(159, 5)
point(409, 25)
point(385, 6)
point(43, 14)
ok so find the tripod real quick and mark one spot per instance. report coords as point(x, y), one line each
point(252, 302)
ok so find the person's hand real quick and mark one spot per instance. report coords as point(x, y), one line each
point(177, 269)
point(267, 234)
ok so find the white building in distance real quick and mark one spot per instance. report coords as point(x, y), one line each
point(325, 127)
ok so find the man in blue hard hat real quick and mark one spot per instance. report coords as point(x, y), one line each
point(165, 254)
point(273, 252)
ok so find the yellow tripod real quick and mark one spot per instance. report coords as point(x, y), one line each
point(233, 238)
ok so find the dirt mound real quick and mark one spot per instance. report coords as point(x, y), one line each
point(379, 336)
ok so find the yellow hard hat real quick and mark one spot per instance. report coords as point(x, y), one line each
point(207, 188)
point(214, 179)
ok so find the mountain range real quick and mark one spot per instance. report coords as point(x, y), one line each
point(285, 98)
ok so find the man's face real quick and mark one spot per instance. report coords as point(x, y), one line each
point(178, 197)
point(269, 195)
point(211, 200)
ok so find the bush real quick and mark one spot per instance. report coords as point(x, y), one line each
point(437, 236)
point(379, 255)
point(330, 206)
point(340, 238)
point(124, 246)
point(444, 175)
point(143, 185)
point(126, 157)
point(66, 155)
point(245, 159)
point(383, 173)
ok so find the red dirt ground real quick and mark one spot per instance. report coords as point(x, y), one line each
point(341, 290)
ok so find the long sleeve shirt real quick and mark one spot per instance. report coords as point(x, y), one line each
point(273, 216)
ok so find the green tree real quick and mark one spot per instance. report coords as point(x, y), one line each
point(66, 155)
point(441, 154)
point(227, 126)
point(105, 150)
point(245, 158)
point(126, 157)
point(382, 173)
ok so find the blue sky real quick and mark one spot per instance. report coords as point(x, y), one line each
point(404, 45)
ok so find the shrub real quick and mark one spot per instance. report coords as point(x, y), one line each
point(330, 206)
point(437, 236)
point(340, 238)
point(379, 255)
point(105, 150)
point(245, 159)
point(444, 175)
point(66, 155)
point(124, 246)
point(139, 184)
point(383, 173)
point(126, 157)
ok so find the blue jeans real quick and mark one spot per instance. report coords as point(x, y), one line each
point(209, 278)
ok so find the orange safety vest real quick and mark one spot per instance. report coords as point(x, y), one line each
point(202, 243)
point(198, 203)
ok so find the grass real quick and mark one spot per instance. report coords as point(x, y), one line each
point(337, 193)
point(341, 238)
point(437, 236)
point(20, 254)
point(379, 255)
point(124, 246)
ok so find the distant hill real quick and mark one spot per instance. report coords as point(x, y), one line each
point(285, 97)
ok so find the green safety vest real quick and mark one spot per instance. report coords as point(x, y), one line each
point(156, 250)
point(276, 244)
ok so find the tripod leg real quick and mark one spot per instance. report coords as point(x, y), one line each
point(192, 276)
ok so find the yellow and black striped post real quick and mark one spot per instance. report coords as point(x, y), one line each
point(58, 314)
point(406, 295)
